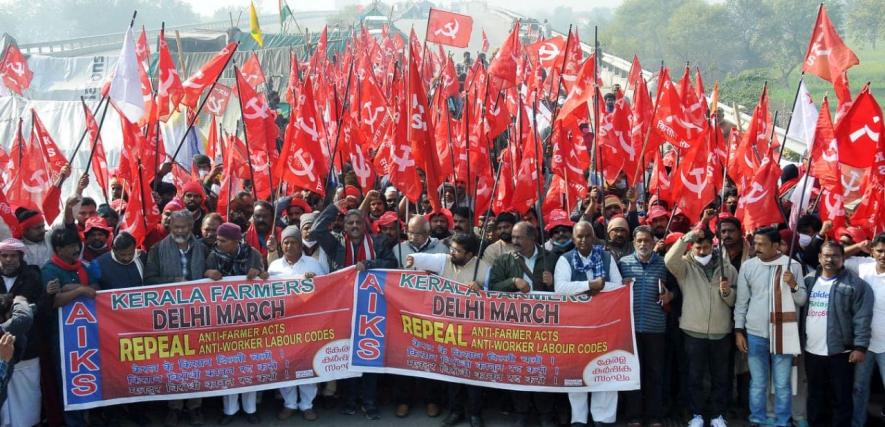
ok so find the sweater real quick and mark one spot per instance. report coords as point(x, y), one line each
point(752, 308)
point(705, 312)
point(113, 275)
point(507, 267)
point(164, 262)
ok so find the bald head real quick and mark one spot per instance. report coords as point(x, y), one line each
point(418, 230)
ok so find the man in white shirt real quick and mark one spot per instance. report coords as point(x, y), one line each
point(294, 264)
point(837, 335)
point(577, 271)
point(872, 271)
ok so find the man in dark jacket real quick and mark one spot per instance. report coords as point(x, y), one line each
point(121, 267)
point(527, 269)
point(23, 282)
point(364, 251)
point(836, 335)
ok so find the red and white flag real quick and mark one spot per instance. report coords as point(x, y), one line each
point(14, 71)
point(449, 28)
point(485, 42)
point(206, 75)
point(827, 56)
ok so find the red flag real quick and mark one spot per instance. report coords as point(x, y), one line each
point(640, 120)
point(14, 71)
point(30, 181)
point(302, 164)
point(216, 103)
point(758, 206)
point(582, 92)
point(256, 113)
point(549, 53)
point(616, 152)
point(870, 213)
point(8, 221)
point(745, 163)
point(635, 73)
point(485, 42)
point(825, 152)
point(503, 66)
point(827, 56)
point(659, 184)
point(206, 75)
point(294, 79)
point(693, 183)
point(419, 136)
point(251, 71)
point(449, 28)
point(504, 195)
point(99, 160)
point(860, 131)
point(54, 157)
point(169, 88)
point(671, 120)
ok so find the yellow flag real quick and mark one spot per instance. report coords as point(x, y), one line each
point(254, 28)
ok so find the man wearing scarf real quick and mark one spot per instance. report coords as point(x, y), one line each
point(22, 407)
point(231, 257)
point(65, 279)
point(121, 267)
point(363, 251)
point(766, 323)
point(259, 232)
point(588, 268)
point(97, 236)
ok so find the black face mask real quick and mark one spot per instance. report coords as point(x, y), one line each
point(505, 237)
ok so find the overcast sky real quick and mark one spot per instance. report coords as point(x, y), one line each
point(207, 7)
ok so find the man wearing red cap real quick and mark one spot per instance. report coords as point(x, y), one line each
point(97, 236)
point(388, 225)
point(441, 223)
point(559, 232)
point(657, 218)
point(193, 195)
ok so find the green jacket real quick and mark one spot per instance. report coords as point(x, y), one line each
point(507, 267)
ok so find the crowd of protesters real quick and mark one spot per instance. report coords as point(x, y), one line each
point(723, 316)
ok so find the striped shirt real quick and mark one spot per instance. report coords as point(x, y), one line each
point(648, 315)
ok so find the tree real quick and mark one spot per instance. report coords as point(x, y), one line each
point(698, 33)
point(639, 26)
point(866, 21)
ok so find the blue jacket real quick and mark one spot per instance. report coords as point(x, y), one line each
point(850, 312)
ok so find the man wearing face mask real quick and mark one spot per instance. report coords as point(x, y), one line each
point(706, 285)
point(210, 177)
point(559, 229)
point(309, 246)
point(504, 226)
point(121, 267)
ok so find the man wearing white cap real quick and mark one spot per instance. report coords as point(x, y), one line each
point(295, 264)
point(22, 405)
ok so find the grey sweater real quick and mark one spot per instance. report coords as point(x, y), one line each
point(752, 309)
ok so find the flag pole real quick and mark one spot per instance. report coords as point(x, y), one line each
point(485, 224)
point(339, 120)
point(790, 120)
point(539, 165)
point(804, 188)
point(85, 130)
point(155, 97)
point(193, 120)
point(246, 139)
point(141, 190)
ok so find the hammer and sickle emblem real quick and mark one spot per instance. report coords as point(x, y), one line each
point(255, 109)
point(696, 185)
point(403, 161)
point(757, 192)
point(306, 165)
point(449, 30)
point(310, 130)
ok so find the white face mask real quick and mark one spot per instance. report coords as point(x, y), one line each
point(804, 240)
point(704, 260)
point(308, 243)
